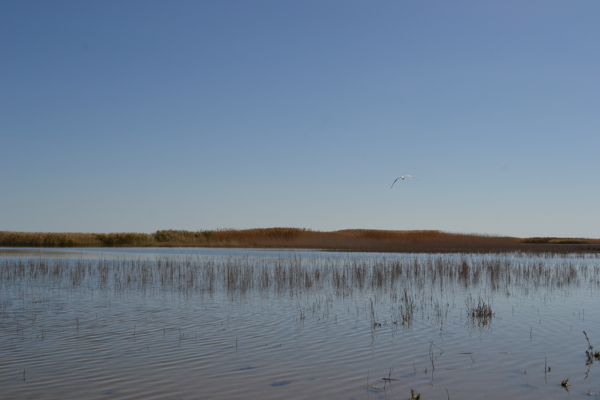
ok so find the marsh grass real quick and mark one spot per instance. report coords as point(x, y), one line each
point(419, 241)
point(411, 283)
point(42, 239)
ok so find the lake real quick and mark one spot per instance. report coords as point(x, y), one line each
point(199, 323)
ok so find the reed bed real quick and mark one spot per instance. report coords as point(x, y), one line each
point(420, 241)
point(294, 274)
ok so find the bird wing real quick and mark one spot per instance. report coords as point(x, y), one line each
point(394, 182)
point(413, 177)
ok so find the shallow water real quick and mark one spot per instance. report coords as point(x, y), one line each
point(257, 324)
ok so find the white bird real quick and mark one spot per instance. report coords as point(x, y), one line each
point(402, 177)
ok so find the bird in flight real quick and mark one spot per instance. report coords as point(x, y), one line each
point(402, 177)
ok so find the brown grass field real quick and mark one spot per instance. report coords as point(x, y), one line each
point(419, 241)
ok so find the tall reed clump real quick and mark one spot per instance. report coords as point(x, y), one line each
point(479, 313)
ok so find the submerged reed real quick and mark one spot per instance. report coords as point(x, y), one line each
point(395, 291)
point(402, 278)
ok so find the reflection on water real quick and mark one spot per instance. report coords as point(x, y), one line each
point(215, 323)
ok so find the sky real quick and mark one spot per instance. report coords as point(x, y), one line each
point(135, 116)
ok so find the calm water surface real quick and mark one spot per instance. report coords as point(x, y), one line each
point(257, 324)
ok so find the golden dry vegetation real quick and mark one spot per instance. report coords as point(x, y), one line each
point(428, 241)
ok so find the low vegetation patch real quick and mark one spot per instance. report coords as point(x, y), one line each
point(371, 240)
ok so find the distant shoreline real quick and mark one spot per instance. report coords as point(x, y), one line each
point(369, 240)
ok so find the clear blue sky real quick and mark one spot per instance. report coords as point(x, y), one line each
point(145, 115)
